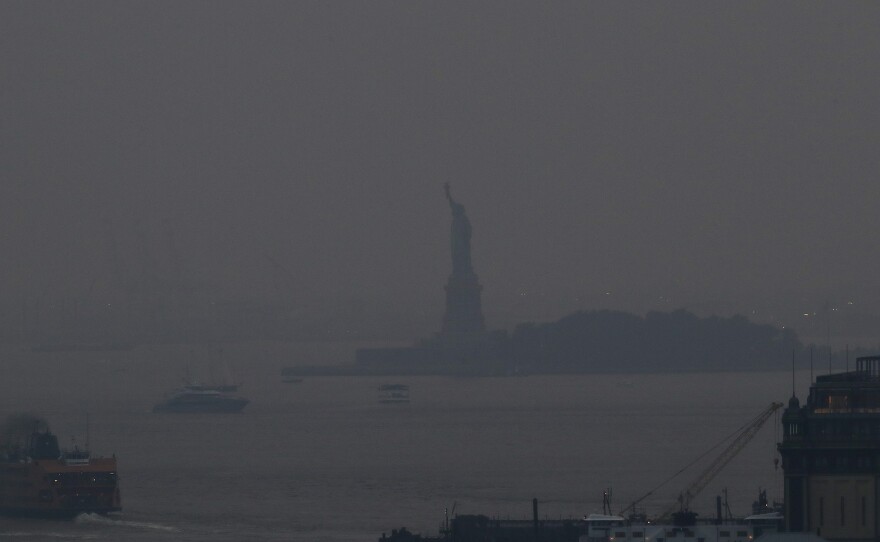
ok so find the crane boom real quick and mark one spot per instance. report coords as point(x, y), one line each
point(743, 438)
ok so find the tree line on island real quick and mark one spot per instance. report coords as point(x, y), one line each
point(613, 341)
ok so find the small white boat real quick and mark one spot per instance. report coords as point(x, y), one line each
point(394, 393)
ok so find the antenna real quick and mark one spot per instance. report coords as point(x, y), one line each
point(847, 358)
point(811, 363)
point(828, 332)
point(88, 435)
point(793, 394)
point(606, 502)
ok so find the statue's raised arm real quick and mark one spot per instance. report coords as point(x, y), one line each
point(457, 208)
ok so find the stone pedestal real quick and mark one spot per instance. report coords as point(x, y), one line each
point(464, 309)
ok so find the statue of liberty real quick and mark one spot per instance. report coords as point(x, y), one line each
point(460, 237)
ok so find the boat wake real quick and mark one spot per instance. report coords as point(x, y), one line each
point(97, 519)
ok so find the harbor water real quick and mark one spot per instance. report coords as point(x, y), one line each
point(324, 460)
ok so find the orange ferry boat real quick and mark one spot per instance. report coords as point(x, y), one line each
point(40, 479)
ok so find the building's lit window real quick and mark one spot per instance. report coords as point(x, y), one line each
point(838, 402)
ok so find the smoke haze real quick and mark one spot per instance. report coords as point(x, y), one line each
point(721, 158)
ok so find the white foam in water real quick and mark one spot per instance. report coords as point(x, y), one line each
point(97, 519)
point(32, 535)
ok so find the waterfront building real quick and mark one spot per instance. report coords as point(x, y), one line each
point(831, 456)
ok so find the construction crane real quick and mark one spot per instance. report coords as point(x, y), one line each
point(699, 484)
point(746, 434)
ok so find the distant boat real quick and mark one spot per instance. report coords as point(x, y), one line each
point(394, 393)
point(290, 379)
point(196, 398)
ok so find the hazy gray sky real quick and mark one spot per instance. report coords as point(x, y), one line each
point(717, 156)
